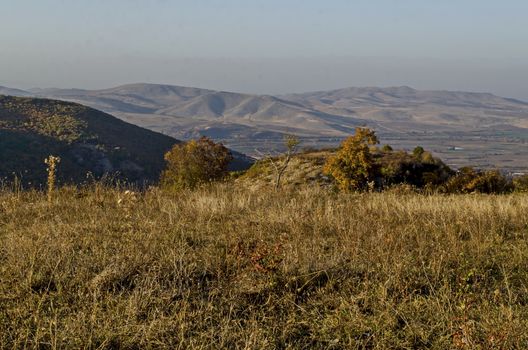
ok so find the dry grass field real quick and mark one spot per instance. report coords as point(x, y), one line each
point(226, 267)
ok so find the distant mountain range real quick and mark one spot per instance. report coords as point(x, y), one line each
point(188, 112)
point(245, 122)
point(14, 92)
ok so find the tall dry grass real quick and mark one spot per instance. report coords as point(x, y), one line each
point(226, 267)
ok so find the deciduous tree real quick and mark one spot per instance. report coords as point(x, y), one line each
point(352, 166)
point(195, 162)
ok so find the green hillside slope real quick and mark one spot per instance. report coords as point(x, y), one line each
point(88, 142)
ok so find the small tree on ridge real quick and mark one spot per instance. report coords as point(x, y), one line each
point(352, 166)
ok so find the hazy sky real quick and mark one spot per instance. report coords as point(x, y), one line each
point(269, 46)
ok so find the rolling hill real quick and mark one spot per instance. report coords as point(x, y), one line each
point(486, 129)
point(87, 140)
point(13, 92)
point(324, 113)
point(412, 109)
point(185, 112)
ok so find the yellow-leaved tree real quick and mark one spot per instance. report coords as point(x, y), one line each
point(195, 162)
point(352, 166)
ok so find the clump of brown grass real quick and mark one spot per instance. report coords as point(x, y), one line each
point(225, 267)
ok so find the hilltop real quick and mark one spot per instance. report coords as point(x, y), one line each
point(88, 142)
point(13, 92)
point(305, 169)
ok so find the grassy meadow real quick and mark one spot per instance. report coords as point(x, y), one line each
point(230, 267)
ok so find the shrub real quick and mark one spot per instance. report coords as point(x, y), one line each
point(469, 180)
point(400, 167)
point(458, 183)
point(491, 181)
point(386, 148)
point(418, 151)
point(520, 184)
point(195, 162)
point(352, 166)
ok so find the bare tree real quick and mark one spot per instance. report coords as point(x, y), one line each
point(280, 164)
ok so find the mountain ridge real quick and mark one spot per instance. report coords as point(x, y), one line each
point(401, 115)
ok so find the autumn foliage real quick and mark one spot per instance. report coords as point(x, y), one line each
point(469, 180)
point(352, 166)
point(195, 162)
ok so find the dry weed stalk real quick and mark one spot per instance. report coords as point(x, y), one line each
point(52, 162)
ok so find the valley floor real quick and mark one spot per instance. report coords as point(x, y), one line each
point(470, 149)
point(227, 267)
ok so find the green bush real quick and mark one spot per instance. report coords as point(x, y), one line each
point(418, 151)
point(420, 171)
point(195, 162)
point(386, 148)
